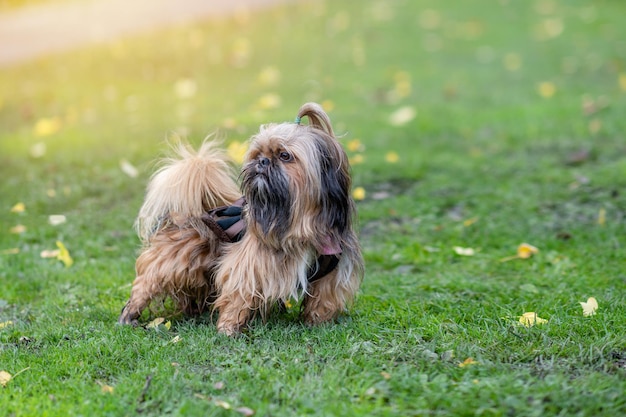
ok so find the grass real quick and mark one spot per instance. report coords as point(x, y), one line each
point(518, 137)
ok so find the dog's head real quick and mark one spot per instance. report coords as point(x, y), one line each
point(296, 181)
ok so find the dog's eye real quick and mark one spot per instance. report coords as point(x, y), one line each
point(285, 156)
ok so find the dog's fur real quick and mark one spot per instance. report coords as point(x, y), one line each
point(296, 183)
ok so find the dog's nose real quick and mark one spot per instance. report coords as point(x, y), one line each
point(264, 162)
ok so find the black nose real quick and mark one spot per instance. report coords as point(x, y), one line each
point(264, 162)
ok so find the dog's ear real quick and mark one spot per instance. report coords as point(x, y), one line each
point(317, 117)
point(336, 204)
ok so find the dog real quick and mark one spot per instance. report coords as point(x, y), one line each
point(289, 237)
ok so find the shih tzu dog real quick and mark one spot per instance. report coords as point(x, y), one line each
point(289, 237)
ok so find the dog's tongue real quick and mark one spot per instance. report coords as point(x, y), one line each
point(329, 247)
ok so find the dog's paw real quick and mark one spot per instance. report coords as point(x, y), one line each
point(128, 318)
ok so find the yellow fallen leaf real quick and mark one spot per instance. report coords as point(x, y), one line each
point(47, 126)
point(468, 362)
point(64, 255)
point(402, 116)
point(328, 105)
point(10, 251)
point(155, 323)
point(107, 389)
point(168, 325)
point(512, 62)
point(237, 151)
point(5, 377)
point(18, 229)
point(589, 307)
point(269, 101)
point(622, 81)
point(469, 222)
point(18, 208)
point(269, 76)
point(358, 193)
point(5, 324)
point(546, 89)
point(530, 319)
point(525, 251)
point(602, 217)
point(392, 157)
point(464, 251)
point(176, 339)
point(355, 145)
point(356, 159)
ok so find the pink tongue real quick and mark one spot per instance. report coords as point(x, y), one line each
point(329, 247)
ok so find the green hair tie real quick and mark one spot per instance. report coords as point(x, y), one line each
point(298, 120)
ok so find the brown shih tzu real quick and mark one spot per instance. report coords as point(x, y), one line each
point(289, 237)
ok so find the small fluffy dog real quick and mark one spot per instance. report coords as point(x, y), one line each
point(289, 237)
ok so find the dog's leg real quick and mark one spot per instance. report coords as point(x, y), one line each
point(139, 300)
point(325, 300)
point(234, 314)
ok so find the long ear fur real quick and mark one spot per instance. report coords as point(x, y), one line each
point(187, 185)
point(337, 205)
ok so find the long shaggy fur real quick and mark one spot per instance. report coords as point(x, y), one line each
point(296, 182)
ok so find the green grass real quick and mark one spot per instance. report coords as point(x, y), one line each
point(484, 146)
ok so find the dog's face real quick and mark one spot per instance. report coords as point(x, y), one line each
point(297, 184)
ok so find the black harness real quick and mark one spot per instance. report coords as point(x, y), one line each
point(228, 225)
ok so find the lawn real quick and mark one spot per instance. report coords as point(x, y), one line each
point(473, 127)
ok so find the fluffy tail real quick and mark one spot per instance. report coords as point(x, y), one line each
point(186, 186)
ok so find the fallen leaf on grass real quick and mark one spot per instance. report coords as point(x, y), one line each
point(107, 389)
point(402, 116)
point(56, 219)
point(237, 151)
point(269, 76)
point(464, 251)
point(47, 126)
point(546, 89)
point(155, 323)
point(355, 145)
point(524, 251)
point(589, 307)
point(5, 377)
point(10, 251)
point(392, 157)
point(18, 208)
point(358, 193)
point(269, 101)
point(17, 229)
point(64, 255)
point(530, 318)
point(38, 150)
point(5, 324)
point(223, 404)
point(602, 217)
point(245, 411)
point(128, 168)
point(622, 81)
point(468, 362)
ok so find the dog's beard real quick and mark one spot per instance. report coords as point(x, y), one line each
point(268, 196)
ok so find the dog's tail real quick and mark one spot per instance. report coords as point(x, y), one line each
point(187, 185)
